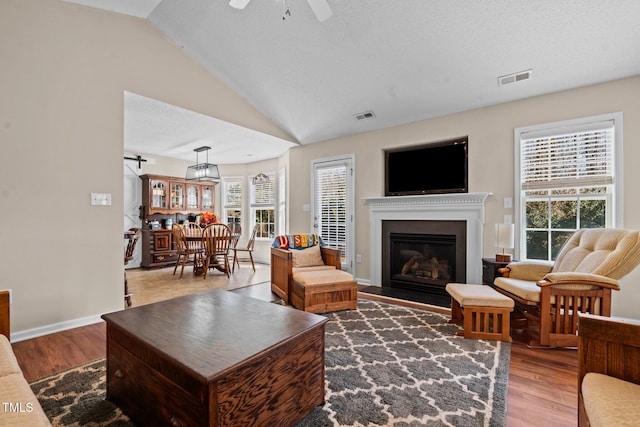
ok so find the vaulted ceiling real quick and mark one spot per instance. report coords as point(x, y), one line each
point(401, 60)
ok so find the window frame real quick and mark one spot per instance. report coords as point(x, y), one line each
point(255, 207)
point(613, 196)
point(281, 197)
point(224, 202)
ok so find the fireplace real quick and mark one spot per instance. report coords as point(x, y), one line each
point(464, 212)
point(423, 255)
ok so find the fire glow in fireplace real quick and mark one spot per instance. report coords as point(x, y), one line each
point(423, 255)
point(420, 258)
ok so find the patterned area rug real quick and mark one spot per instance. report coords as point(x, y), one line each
point(386, 365)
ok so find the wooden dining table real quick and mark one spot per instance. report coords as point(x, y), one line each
point(198, 262)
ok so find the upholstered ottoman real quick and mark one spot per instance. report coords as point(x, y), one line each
point(483, 311)
point(323, 291)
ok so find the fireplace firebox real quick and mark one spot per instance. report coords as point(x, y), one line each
point(423, 255)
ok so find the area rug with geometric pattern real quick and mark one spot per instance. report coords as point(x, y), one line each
point(386, 365)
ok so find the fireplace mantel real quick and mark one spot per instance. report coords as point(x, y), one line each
point(468, 207)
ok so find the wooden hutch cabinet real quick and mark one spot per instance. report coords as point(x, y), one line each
point(168, 199)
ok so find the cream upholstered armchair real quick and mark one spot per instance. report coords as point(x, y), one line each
point(587, 268)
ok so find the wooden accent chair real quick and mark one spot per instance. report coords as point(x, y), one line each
point(608, 374)
point(133, 235)
point(216, 241)
point(247, 249)
point(282, 266)
point(588, 267)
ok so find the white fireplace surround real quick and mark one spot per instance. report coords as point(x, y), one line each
point(467, 207)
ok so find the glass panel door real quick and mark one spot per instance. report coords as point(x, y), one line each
point(177, 196)
point(193, 201)
point(333, 206)
point(159, 194)
point(207, 198)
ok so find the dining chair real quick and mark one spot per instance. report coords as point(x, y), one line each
point(236, 232)
point(235, 228)
point(181, 249)
point(247, 249)
point(216, 241)
point(185, 248)
point(132, 236)
point(192, 229)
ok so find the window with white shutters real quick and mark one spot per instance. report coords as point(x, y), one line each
point(263, 207)
point(232, 200)
point(568, 177)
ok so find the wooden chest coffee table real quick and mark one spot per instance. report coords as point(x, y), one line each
point(215, 359)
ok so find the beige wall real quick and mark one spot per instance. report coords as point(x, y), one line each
point(64, 70)
point(491, 151)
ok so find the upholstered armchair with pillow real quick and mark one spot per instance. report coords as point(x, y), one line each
point(298, 252)
point(585, 272)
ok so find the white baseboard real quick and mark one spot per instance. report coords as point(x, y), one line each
point(56, 327)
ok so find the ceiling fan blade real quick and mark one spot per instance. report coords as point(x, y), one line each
point(239, 4)
point(321, 8)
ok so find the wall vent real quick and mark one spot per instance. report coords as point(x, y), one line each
point(515, 77)
point(365, 115)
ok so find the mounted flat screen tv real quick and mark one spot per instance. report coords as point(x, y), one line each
point(435, 168)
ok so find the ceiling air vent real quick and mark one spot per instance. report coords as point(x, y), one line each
point(365, 115)
point(515, 77)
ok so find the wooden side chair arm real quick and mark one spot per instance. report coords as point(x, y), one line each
point(5, 325)
point(505, 271)
point(332, 257)
point(608, 346)
point(281, 272)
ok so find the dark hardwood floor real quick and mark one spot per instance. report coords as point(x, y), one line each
point(542, 382)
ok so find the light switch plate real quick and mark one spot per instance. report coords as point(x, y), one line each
point(100, 199)
point(508, 202)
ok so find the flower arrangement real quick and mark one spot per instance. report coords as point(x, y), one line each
point(207, 218)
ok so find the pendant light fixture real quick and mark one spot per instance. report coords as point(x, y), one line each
point(203, 171)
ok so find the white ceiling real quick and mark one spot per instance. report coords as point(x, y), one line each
point(160, 129)
point(404, 60)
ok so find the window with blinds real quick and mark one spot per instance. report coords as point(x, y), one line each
point(232, 200)
point(263, 194)
point(233, 194)
point(331, 206)
point(263, 201)
point(567, 174)
point(578, 158)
